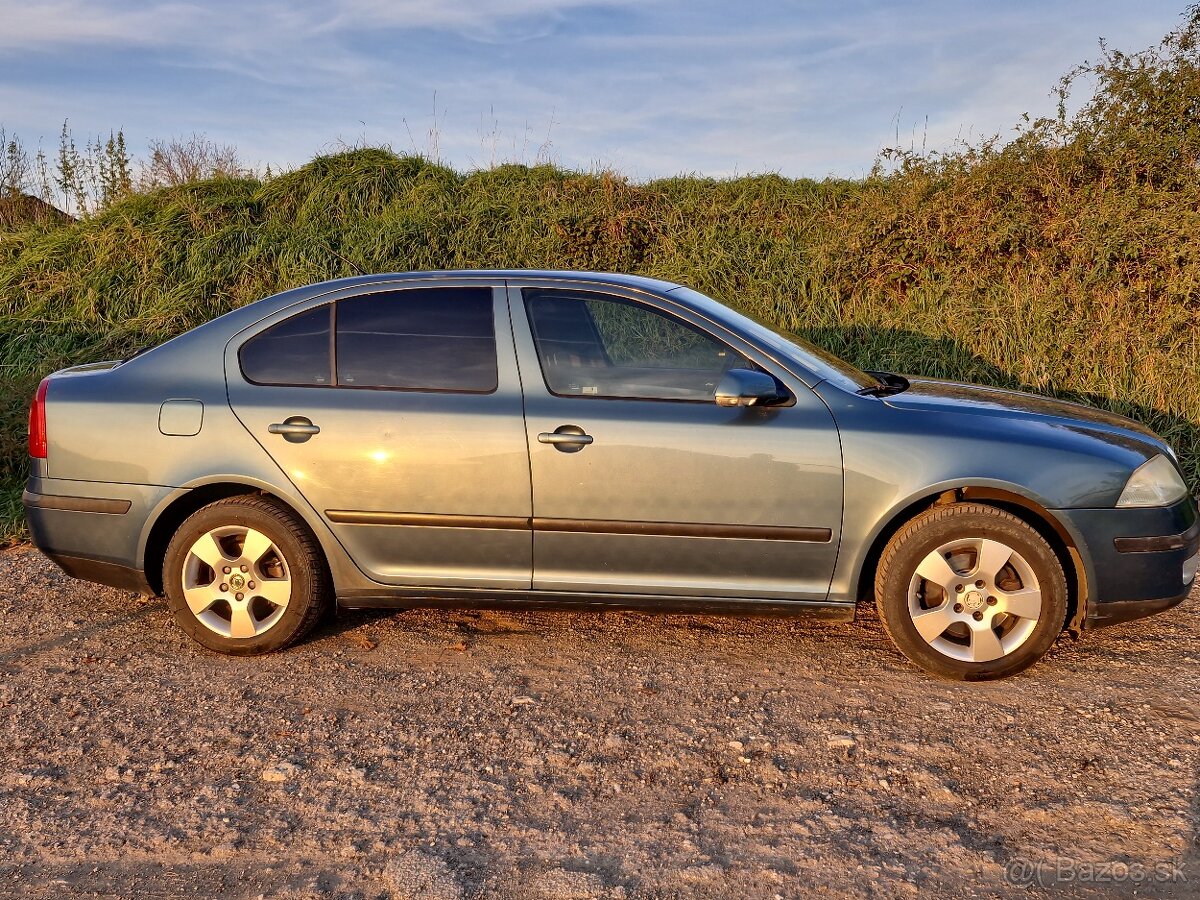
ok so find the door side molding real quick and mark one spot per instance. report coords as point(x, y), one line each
point(426, 520)
point(809, 535)
point(802, 534)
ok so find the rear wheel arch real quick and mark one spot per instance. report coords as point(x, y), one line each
point(1029, 511)
point(175, 513)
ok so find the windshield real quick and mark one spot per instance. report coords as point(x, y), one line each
point(820, 361)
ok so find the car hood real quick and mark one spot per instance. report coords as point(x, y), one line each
point(948, 396)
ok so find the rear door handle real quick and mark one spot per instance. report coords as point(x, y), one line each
point(567, 438)
point(296, 429)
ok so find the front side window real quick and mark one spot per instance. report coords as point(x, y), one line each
point(423, 339)
point(605, 346)
point(296, 351)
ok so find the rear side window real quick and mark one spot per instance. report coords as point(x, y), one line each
point(425, 339)
point(296, 351)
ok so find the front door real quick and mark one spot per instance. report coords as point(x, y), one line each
point(418, 460)
point(641, 483)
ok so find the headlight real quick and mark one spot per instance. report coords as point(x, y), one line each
point(1154, 483)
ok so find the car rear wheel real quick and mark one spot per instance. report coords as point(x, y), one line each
point(243, 577)
point(971, 592)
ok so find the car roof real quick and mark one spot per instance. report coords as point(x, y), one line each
point(225, 326)
point(639, 281)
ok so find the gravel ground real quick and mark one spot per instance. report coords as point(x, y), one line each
point(461, 754)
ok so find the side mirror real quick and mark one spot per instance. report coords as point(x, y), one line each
point(742, 387)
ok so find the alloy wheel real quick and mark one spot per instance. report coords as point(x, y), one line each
point(236, 581)
point(974, 600)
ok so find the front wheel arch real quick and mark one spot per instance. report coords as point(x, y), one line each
point(1032, 513)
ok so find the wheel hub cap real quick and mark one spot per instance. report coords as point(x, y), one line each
point(974, 601)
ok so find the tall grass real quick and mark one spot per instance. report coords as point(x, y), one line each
point(1066, 261)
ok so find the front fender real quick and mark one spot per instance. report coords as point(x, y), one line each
point(899, 460)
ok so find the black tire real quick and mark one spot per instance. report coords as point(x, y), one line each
point(311, 595)
point(917, 541)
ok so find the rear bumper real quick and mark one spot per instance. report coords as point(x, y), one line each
point(1140, 561)
point(123, 578)
point(91, 530)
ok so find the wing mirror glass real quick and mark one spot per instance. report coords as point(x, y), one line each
point(743, 387)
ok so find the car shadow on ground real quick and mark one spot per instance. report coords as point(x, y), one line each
point(83, 633)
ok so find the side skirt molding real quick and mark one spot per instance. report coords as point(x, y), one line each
point(411, 598)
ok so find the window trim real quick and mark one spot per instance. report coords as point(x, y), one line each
point(635, 301)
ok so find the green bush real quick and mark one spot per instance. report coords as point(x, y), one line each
point(1065, 261)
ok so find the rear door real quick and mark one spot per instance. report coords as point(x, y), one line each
point(397, 413)
point(641, 483)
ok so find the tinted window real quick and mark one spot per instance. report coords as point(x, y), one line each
point(428, 339)
point(605, 346)
point(296, 351)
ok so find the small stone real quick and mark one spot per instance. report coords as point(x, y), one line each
point(279, 772)
point(841, 740)
point(735, 745)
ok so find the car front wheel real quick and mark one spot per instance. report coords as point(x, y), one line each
point(243, 577)
point(971, 592)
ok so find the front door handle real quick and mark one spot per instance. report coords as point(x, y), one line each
point(296, 429)
point(567, 438)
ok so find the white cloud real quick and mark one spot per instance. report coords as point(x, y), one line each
point(653, 88)
point(225, 24)
point(39, 25)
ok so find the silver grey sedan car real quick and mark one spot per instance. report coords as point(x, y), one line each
point(555, 438)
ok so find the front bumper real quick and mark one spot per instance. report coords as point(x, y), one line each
point(1139, 561)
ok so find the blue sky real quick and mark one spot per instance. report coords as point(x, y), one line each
point(648, 87)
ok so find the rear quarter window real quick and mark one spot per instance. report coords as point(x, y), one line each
point(295, 351)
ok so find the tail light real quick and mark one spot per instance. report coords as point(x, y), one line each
point(37, 422)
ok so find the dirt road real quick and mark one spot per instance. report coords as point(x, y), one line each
point(457, 754)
